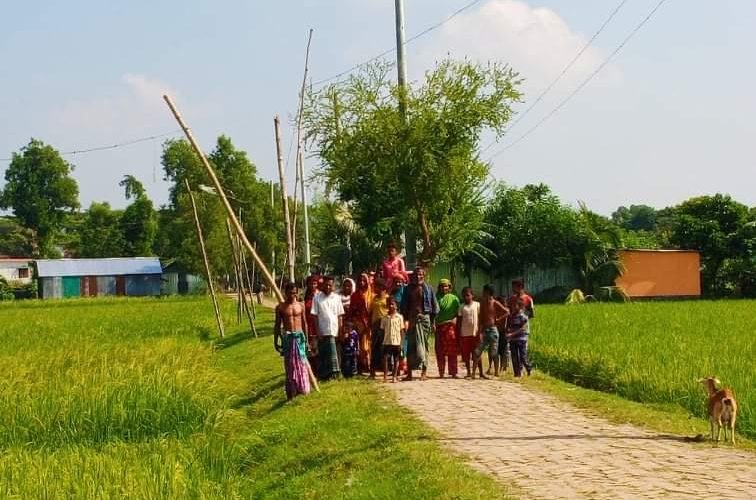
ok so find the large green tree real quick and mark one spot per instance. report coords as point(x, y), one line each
point(713, 225)
point(139, 220)
point(40, 191)
point(419, 170)
point(246, 192)
point(100, 233)
point(530, 226)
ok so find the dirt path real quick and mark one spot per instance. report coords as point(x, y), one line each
point(552, 450)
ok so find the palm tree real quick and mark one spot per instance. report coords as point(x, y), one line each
point(599, 262)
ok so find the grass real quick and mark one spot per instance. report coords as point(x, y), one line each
point(133, 398)
point(652, 352)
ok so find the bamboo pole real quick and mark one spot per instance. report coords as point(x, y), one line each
point(287, 219)
point(300, 156)
point(211, 173)
point(208, 274)
point(235, 263)
point(241, 292)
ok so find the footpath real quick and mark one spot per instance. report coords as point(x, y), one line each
point(549, 449)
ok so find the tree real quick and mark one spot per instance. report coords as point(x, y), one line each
point(635, 218)
point(100, 234)
point(596, 250)
point(420, 172)
point(245, 191)
point(15, 240)
point(40, 190)
point(530, 227)
point(713, 225)
point(139, 220)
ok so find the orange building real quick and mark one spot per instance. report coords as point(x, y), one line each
point(661, 273)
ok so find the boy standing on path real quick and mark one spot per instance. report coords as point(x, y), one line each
point(467, 326)
point(491, 312)
point(518, 330)
point(419, 308)
point(393, 327)
point(518, 292)
point(329, 310)
point(293, 344)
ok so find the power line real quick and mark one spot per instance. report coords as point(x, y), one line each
point(112, 146)
point(582, 84)
point(561, 75)
point(392, 50)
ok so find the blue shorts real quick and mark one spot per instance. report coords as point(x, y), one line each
point(489, 344)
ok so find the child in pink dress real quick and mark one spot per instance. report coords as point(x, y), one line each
point(393, 265)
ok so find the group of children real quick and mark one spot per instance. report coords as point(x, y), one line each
point(383, 323)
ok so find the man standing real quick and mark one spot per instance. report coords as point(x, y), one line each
point(419, 308)
point(293, 344)
point(329, 310)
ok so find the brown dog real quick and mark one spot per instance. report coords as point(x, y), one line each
point(722, 408)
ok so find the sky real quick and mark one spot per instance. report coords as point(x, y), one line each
point(669, 117)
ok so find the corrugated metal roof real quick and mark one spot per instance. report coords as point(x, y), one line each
point(98, 267)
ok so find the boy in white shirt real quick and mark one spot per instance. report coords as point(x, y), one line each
point(467, 325)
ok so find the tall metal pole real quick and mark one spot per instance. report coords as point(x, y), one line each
point(401, 61)
point(300, 155)
point(410, 238)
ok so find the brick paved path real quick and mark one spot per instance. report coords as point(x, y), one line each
point(552, 450)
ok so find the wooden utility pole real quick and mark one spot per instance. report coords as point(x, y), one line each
point(208, 274)
point(287, 219)
point(241, 284)
point(229, 211)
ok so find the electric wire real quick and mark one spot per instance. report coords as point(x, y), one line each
point(561, 75)
point(582, 84)
point(427, 30)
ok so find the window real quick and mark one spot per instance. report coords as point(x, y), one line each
point(23, 273)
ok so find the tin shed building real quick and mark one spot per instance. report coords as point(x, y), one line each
point(133, 276)
point(16, 269)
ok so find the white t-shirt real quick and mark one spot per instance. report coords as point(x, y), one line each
point(327, 308)
point(469, 314)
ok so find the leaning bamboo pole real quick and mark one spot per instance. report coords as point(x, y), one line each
point(208, 274)
point(285, 201)
point(230, 212)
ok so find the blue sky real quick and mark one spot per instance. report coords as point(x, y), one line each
point(670, 117)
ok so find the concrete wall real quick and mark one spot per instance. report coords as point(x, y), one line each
point(662, 273)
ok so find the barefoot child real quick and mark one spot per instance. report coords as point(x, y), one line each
point(350, 350)
point(491, 312)
point(518, 330)
point(467, 325)
point(293, 343)
point(393, 328)
point(378, 310)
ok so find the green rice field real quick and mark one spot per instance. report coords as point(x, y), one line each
point(653, 352)
point(136, 398)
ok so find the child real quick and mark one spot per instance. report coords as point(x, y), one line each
point(518, 292)
point(467, 325)
point(393, 328)
point(350, 350)
point(491, 313)
point(393, 264)
point(378, 309)
point(518, 331)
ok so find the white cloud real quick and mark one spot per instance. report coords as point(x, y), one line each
point(134, 104)
point(535, 41)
